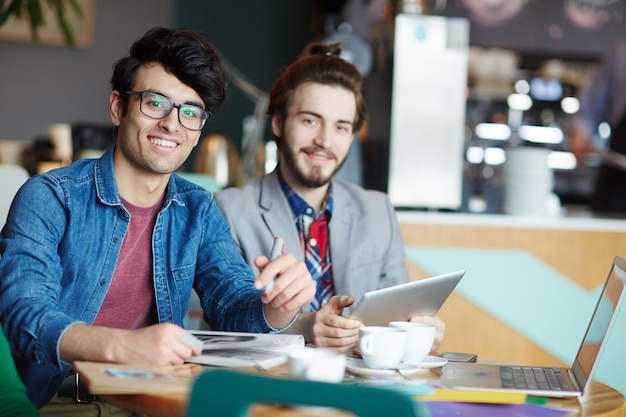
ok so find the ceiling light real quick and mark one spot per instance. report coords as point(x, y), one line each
point(492, 131)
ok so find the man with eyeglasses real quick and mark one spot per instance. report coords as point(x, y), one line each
point(99, 258)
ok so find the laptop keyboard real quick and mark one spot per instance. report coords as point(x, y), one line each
point(526, 377)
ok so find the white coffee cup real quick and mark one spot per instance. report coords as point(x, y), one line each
point(382, 347)
point(316, 365)
point(419, 340)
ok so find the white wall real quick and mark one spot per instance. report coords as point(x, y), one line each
point(42, 84)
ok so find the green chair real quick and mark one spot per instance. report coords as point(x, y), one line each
point(229, 393)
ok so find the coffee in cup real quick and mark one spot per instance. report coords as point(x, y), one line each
point(382, 347)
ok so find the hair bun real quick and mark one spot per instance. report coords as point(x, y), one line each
point(330, 49)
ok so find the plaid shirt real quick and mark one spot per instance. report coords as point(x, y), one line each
point(314, 241)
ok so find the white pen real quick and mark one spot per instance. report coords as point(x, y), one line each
point(278, 249)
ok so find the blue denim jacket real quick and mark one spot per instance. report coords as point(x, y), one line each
point(60, 246)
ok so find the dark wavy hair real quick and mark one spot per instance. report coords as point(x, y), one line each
point(187, 54)
point(319, 63)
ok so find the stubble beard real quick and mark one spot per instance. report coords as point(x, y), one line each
point(151, 165)
point(315, 178)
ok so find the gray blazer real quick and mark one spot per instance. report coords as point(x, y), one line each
point(367, 251)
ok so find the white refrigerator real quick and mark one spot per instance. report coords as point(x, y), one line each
point(428, 105)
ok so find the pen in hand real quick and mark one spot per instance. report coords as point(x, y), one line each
point(278, 249)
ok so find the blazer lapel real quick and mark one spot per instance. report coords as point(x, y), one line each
point(277, 214)
point(340, 242)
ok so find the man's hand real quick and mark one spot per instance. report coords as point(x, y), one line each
point(294, 288)
point(160, 344)
point(580, 144)
point(440, 326)
point(331, 330)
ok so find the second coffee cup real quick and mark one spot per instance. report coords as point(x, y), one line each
point(419, 340)
point(382, 347)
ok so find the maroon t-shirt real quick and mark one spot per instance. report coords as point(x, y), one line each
point(130, 302)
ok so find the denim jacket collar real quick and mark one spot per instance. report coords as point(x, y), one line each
point(106, 184)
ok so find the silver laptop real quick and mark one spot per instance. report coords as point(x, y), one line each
point(545, 381)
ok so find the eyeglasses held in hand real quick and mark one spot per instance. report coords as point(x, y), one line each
point(157, 106)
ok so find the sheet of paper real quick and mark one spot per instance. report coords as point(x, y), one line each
point(240, 340)
point(244, 349)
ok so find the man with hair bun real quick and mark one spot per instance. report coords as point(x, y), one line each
point(348, 237)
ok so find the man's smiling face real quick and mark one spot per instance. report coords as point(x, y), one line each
point(158, 146)
point(316, 133)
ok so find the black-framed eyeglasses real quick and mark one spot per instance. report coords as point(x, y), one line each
point(157, 106)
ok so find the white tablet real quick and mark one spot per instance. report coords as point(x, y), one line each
point(400, 302)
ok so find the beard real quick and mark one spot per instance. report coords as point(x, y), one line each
point(315, 177)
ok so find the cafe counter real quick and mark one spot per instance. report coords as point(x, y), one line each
point(530, 283)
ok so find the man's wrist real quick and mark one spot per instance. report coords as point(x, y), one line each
point(303, 325)
point(277, 316)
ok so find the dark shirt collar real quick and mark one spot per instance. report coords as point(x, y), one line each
point(297, 203)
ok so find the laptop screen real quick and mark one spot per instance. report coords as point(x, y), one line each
point(601, 322)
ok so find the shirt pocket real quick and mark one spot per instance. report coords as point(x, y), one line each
point(186, 272)
point(182, 278)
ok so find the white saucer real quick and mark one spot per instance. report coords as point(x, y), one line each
point(430, 362)
point(358, 366)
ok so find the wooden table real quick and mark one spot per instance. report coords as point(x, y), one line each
point(600, 401)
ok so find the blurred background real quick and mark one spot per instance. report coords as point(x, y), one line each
point(512, 79)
